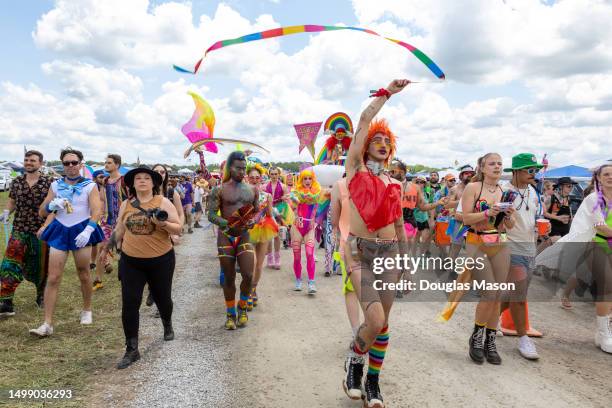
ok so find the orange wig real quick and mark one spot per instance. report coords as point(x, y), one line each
point(379, 126)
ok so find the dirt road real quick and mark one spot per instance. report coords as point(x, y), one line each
point(292, 352)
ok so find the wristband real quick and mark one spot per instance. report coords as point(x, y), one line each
point(380, 92)
point(92, 224)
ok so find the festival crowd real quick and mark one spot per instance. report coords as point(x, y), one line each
point(373, 209)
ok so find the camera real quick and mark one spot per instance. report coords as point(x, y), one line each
point(158, 213)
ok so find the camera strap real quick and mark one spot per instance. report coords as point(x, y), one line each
point(136, 204)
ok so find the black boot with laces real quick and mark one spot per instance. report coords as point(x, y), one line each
point(490, 348)
point(477, 353)
point(373, 397)
point(354, 373)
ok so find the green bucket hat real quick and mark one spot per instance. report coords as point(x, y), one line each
point(524, 161)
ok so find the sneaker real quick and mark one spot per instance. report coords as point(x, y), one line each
point(298, 285)
point(243, 318)
point(312, 289)
point(327, 274)
point(44, 330)
point(603, 335)
point(6, 308)
point(97, 285)
point(477, 345)
point(527, 348)
point(353, 367)
point(230, 323)
point(86, 317)
point(373, 397)
point(499, 332)
point(490, 348)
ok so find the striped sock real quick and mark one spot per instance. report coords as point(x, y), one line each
point(242, 303)
point(230, 307)
point(377, 351)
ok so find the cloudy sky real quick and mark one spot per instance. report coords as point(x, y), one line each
point(522, 75)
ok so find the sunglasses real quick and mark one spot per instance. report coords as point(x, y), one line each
point(71, 163)
point(532, 170)
point(452, 180)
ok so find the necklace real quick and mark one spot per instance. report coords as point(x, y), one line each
point(523, 196)
point(487, 186)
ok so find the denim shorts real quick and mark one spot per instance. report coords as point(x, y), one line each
point(522, 260)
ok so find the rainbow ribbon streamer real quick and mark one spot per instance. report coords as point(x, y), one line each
point(290, 30)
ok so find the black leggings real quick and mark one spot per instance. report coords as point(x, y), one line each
point(135, 273)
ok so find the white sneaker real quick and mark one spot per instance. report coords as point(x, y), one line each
point(298, 285)
point(312, 289)
point(499, 332)
point(527, 348)
point(603, 336)
point(43, 331)
point(86, 317)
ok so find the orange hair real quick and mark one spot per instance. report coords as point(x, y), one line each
point(379, 126)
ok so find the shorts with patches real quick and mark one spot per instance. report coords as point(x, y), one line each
point(371, 254)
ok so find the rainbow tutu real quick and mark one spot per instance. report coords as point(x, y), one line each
point(264, 231)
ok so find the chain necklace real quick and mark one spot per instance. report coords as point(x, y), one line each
point(487, 187)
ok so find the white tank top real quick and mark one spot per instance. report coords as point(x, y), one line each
point(80, 206)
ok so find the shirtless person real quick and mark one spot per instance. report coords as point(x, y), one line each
point(232, 207)
point(376, 229)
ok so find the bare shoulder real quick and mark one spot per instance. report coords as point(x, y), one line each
point(394, 181)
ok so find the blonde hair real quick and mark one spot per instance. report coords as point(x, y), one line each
point(479, 176)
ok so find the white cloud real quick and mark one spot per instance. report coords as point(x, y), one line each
point(105, 49)
point(496, 42)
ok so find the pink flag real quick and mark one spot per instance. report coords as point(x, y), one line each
point(307, 135)
point(202, 123)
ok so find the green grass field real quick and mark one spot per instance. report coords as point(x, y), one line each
point(75, 354)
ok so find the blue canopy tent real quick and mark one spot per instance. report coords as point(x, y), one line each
point(567, 171)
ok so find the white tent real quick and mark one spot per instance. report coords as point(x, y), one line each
point(185, 171)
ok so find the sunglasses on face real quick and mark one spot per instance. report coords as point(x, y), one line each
point(71, 163)
point(532, 170)
point(382, 142)
point(452, 181)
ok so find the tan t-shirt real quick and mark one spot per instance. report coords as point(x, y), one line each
point(143, 239)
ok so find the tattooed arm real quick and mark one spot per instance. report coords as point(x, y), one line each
point(214, 204)
point(354, 159)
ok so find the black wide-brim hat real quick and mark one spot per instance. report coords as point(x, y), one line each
point(564, 180)
point(129, 176)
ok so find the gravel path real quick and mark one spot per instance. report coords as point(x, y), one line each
point(292, 352)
